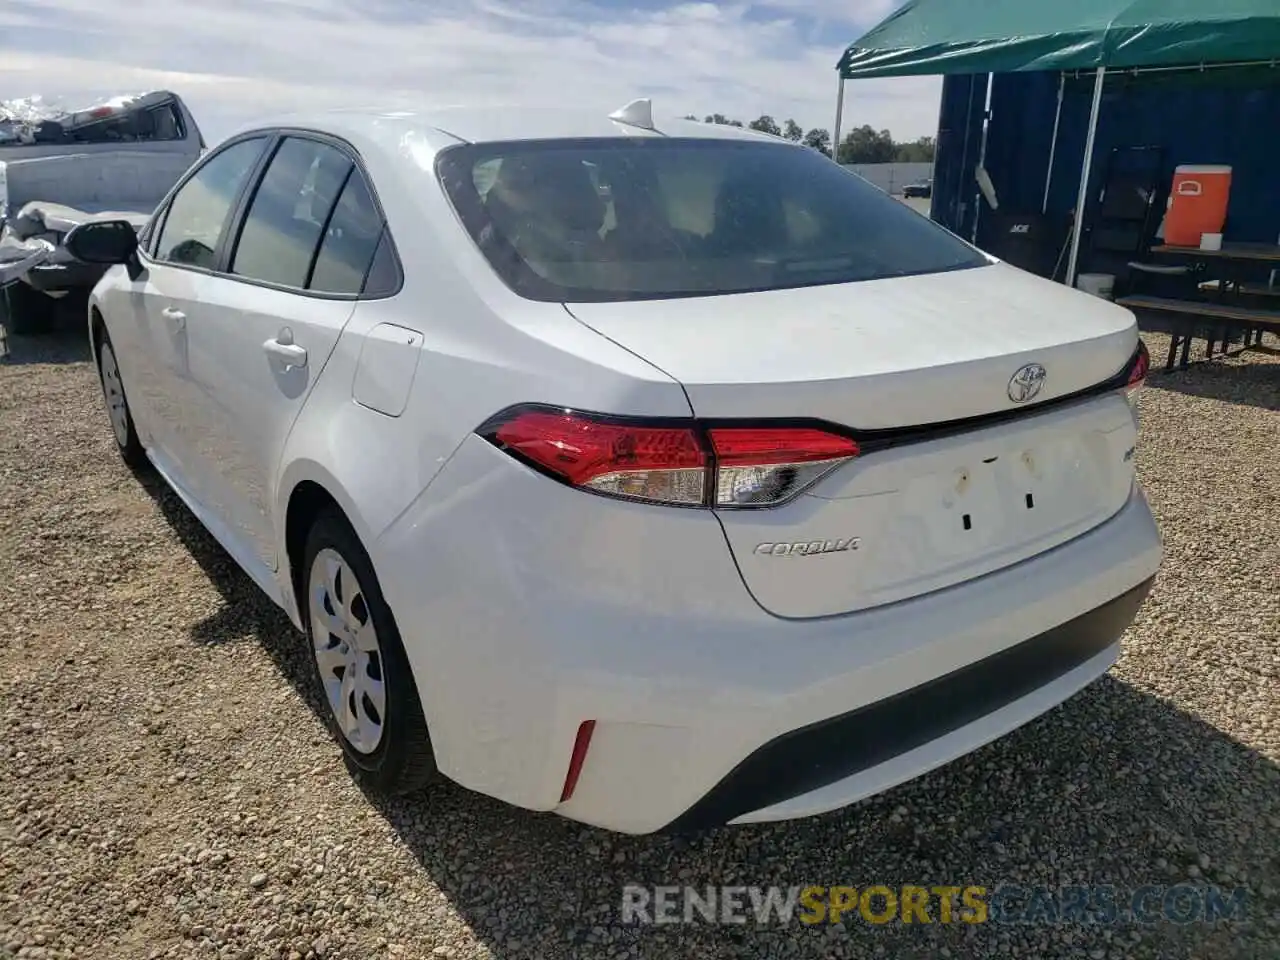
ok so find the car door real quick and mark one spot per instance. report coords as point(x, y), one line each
point(168, 295)
point(309, 232)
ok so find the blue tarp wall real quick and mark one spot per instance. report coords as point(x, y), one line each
point(1222, 115)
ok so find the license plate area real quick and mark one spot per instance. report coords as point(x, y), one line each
point(931, 515)
point(1007, 499)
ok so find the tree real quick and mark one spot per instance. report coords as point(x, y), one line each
point(865, 145)
point(919, 151)
point(820, 140)
point(861, 145)
point(765, 124)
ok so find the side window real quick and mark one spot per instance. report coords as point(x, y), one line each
point(350, 241)
point(165, 123)
point(289, 210)
point(196, 215)
point(383, 279)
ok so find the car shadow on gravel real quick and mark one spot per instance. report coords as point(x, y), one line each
point(246, 612)
point(1116, 788)
point(1099, 792)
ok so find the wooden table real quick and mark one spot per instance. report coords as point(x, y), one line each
point(1232, 262)
point(1242, 252)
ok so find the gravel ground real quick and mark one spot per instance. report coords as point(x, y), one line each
point(167, 789)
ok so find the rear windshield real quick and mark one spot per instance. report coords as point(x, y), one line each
point(620, 219)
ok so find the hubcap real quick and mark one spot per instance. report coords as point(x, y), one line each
point(346, 649)
point(113, 392)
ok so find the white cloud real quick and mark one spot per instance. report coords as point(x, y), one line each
point(243, 58)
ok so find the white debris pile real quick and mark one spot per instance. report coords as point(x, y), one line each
point(19, 256)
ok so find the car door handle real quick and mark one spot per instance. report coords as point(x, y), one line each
point(286, 351)
point(176, 317)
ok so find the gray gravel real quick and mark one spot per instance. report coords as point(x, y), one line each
point(167, 789)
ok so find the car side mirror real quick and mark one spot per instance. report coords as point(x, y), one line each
point(103, 241)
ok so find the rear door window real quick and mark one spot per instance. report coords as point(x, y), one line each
point(350, 241)
point(289, 211)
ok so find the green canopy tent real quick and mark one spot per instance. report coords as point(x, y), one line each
point(930, 37)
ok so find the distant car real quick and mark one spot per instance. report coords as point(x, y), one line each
point(734, 492)
point(922, 189)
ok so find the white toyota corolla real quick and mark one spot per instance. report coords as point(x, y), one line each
point(662, 475)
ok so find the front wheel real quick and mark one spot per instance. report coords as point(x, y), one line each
point(118, 413)
point(361, 665)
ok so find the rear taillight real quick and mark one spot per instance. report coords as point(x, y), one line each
point(1138, 370)
point(678, 462)
point(758, 466)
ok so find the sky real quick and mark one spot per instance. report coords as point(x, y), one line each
point(234, 61)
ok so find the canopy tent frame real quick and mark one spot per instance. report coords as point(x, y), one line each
point(1053, 142)
point(835, 134)
point(1099, 37)
point(1086, 167)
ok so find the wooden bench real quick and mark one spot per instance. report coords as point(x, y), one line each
point(1252, 320)
point(1247, 289)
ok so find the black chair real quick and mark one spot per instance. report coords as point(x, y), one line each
point(1124, 222)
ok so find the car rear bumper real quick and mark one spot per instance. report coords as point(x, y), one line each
point(806, 770)
point(528, 608)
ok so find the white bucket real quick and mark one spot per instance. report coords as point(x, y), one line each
point(1097, 284)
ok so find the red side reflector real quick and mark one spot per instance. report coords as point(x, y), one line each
point(579, 756)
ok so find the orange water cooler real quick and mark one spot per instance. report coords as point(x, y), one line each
point(1197, 204)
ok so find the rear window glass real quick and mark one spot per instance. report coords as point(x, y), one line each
point(621, 219)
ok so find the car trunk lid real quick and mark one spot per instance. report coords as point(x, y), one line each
point(920, 509)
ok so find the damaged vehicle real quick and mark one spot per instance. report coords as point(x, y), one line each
point(735, 492)
point(114, 160)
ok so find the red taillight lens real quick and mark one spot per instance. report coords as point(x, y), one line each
point(760, 466)
point(661, 463)
point(677, 463)
point(1138, 372)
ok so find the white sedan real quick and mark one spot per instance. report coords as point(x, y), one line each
point(658, 474)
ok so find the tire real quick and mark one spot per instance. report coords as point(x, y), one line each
point(26, 311)
point(384, 738)
point(117, 403)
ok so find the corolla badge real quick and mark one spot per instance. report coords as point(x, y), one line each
point(807, 548)
point(1026, 383)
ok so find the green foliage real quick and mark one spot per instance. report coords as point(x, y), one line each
point(860, 145)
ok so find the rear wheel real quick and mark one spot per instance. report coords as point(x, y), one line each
point(361, 665)
point(113, 394)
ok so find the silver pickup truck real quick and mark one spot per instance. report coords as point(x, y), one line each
point(59, 168)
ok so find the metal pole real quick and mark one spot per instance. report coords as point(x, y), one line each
point(982, 155)
point(835, 135)
point(1053, 144)
point(1082, 197)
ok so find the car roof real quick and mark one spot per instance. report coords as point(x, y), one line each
point(388, 127)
